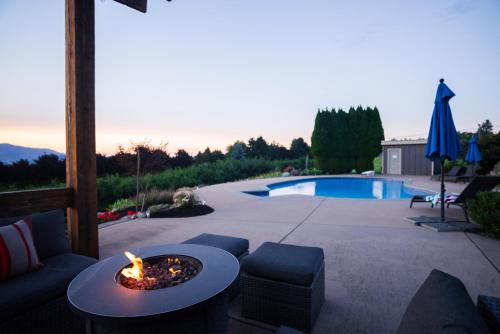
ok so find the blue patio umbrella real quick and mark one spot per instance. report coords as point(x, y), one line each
point(443, 142)
point(473, 155)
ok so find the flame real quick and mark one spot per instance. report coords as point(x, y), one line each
point(174, 271)
point(135, 271)
point(175, 261)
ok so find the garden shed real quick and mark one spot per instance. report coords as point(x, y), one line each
point(405, 157)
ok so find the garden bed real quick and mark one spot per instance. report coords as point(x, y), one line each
point(183, 211)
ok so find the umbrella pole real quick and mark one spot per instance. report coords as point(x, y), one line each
point(442, 190)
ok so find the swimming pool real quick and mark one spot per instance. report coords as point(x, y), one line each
point(341, 187)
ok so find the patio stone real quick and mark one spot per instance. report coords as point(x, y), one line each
point(375, 260)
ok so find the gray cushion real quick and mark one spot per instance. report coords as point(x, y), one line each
point(233, 245)
point(49, 233)
point(442, 305)
point(286, 263)
point(37, 287)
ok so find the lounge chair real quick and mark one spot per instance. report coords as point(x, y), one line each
point(479, 183)
point(442, 304)
point(468, 175)
point(454, 172)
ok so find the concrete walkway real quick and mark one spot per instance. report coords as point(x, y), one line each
point(375, 259)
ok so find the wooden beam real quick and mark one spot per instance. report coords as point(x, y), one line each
point(80, 126)
point(19, 203)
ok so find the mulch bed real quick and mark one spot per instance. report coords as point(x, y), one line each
point(183, 212)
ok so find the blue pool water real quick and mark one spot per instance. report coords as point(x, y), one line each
point(342, 187)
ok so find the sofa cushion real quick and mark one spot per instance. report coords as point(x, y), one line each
point(285, 263)
point(442, 305)
point(49, 233)
point(17, 250)
point(35, 288)
point(233, 245)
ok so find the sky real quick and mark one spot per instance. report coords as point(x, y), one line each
point(197, 73)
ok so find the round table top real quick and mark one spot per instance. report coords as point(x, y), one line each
point(96, 294)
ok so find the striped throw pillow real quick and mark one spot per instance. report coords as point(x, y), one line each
point(17, 250)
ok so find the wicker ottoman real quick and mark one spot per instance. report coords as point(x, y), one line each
point(236, 246)
point(283, 285)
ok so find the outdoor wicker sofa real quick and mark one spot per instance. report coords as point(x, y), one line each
point(36, 302)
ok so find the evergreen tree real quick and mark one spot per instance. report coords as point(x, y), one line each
point(321, 139)
point(342, 141)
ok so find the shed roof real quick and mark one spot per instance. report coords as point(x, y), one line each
point(403, 142)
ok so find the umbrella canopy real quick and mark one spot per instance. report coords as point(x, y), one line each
point(473, 155)
point(442, 142)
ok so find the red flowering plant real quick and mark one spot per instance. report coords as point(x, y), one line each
point(107, 216)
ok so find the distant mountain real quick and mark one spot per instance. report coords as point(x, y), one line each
point(10, 153)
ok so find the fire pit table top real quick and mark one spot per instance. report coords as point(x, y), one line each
point(97, 294)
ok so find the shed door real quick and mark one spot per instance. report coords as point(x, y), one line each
point(394, 161)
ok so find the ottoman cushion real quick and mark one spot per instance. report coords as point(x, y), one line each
point(233, 245)
point(285, 263)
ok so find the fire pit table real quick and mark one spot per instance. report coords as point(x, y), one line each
point(179, 289)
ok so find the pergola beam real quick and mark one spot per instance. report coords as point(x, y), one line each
point(19, 203)
point(80, 126)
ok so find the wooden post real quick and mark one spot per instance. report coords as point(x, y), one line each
point(80, 126)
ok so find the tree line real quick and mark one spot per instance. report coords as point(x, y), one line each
point(153, 159)
point(489, 146)
point(343, 141)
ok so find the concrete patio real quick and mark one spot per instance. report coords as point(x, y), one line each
point(375, 258)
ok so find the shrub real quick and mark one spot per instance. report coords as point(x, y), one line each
point(266, 175)
point(489, 144)
point(377, 165)
point(485, 209)
point(154, 209)
point(185, 197)
point(121, 204)
point(113, 187)
point(156, 196)
point(312, 171)
point(448, 165)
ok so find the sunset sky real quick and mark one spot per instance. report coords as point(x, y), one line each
point(197, 73)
